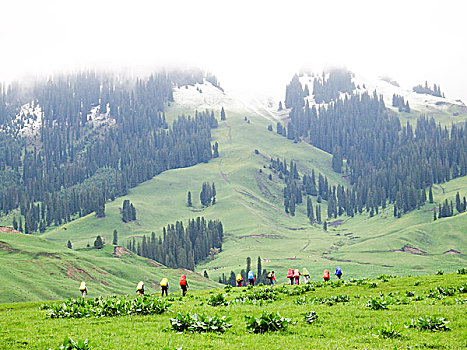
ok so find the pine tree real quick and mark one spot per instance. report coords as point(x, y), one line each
point(430, 195)
point(458, 203)
point(69, 246)
point(222, 114)
point(115, 238)
point(215, 150)
point(280, 107)
point(98, 243)
point(325, 226)
point(206, 274)
point(188, 202)
point(434, 214)
point(259, 270)
point(248, 264)
point(20, 226)
point(15, 223)
point(213, 194)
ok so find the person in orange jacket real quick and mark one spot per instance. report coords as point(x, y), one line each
point(290, 275)
point(326, 275)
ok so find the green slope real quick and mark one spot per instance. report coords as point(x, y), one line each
point(34, 269)
point(250, 207)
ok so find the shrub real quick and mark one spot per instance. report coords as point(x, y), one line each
point(259, 294)
point(377, 304)
point(311, 317)
point(106, 307)
point(200, 323)
point(462, 271)
point(217, 300)
point(267, 322)
point(70, 344)
point(440, 272)
point(300, 301)
point(373, 285)
point(228, 288)
point(387, 331)
point(429, 323)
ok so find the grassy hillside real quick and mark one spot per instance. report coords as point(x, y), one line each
point(33, 269)
point(344, 321)
point(250, 207)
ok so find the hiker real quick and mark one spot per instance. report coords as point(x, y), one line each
point(271, 278)
point(164, 287)
point(306, 275)
point(251, 278)
point(83, 289)
point(290, 275)
point(183, 284)
point(326, 275)
point(239, 280)
point(140, 288)
point(338, 272)
point(296, 275)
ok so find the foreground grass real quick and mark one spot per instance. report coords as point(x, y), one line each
point(340, 326)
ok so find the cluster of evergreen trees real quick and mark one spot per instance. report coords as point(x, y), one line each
point(72, 168)
point(398, 101)
point(260, 274)
point(328, 89)
point(181, 247)
point(436, 91)
point(207, 195)
point(128, 211)
point(385, 162)
point(447, 208)
point(339, 199)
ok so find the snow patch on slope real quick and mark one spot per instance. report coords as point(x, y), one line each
point(419, 102)
point(96, 118)
point(28, 121)
point(207, 96)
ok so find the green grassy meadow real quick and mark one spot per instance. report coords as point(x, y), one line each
point(340, 325)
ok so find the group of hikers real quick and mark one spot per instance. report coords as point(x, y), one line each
point(164, 284)
point(292, 274)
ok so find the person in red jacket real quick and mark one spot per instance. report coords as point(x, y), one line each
point(296, 276)
point(326, 275)
point(183, 284)
point(290, 275)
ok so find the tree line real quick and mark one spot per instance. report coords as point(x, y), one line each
point(179, 246)
point(385, 161)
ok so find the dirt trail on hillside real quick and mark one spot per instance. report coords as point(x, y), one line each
point(264, 190)
point(230, 132)
point(250, 195)
point(74, 272)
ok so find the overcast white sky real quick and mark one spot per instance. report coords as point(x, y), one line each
point(261, 43)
